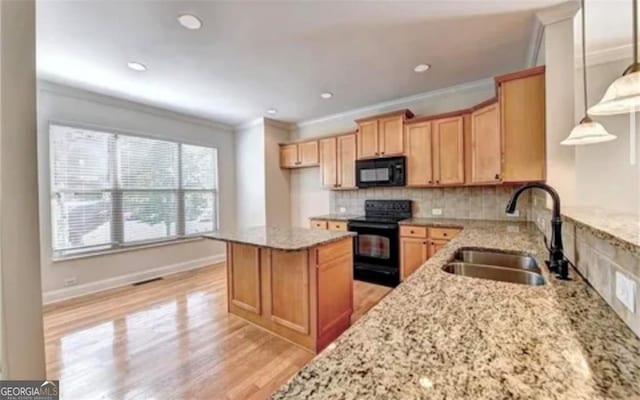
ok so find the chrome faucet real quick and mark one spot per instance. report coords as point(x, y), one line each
point(557, 262)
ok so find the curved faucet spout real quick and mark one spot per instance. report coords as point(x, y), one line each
point(557, 261)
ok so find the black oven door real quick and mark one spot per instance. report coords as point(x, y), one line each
point(376, 252)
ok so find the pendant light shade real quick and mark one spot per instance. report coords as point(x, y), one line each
point(587, 132)
point(623, 95)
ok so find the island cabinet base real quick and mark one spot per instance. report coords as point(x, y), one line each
point(305, 296)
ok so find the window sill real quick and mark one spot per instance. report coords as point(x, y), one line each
point(126, 249)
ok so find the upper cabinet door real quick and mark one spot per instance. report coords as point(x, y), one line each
point(391, 136)
point(418, 150)
point(347, 161)
point(328, 162)
point(368, 139)
point(522, 110)
point(448, 142)
point(308, 153)
point(485, 145)
point(289, 156)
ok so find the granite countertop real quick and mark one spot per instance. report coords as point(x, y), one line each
point(438, 222)
point(336, 217)
point(443, 336)
point(614, 226)
point(280, 238)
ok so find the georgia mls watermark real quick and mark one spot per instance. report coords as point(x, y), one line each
point(29, 390)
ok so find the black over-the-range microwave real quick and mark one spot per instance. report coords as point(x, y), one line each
point(381, 172)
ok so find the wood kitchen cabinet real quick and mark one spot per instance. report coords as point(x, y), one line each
point(382, 135)
point(485, 145)
point(298, 155)
point(418, 148)
point(521, 96)
point(419, 243)
point(305, 296)
point(448, 150)
point(337, 162)
point(332, 225)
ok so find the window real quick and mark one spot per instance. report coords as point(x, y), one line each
point(111, 190)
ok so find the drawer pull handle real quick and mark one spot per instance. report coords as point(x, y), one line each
point(412, 231)
point(444, 234)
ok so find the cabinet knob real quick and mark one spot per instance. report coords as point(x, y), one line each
point(412, 231)
point(445, 234)
point(437, 181)
point(430, 182)
point(497, 177)
point(377, 153)
point(382, 152)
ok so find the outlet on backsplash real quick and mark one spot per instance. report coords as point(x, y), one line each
point(436, 211)
point(342, 210)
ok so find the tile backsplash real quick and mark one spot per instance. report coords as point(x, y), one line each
point(597, 258)
point(459, 202)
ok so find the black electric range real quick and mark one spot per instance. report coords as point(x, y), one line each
point(376, 248)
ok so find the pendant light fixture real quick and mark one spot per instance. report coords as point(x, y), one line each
point(587, 131)
point(623, 95)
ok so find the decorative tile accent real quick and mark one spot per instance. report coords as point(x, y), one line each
point(460, 202)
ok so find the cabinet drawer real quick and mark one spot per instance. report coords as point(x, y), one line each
point(318, 224)
point(337, 225)
point(413, 231)
point(443, 233)
point(331, 251)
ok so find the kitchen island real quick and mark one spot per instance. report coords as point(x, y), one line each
point(296, 283)
point(444, 336)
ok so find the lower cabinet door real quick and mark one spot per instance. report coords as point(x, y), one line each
point(289, 288)
point(243, 272)
point(413, 253)
point(435, 245)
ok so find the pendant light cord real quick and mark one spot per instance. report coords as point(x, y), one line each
point(584, 57)
point(635, 31)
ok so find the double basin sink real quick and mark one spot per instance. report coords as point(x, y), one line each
point(496, 265)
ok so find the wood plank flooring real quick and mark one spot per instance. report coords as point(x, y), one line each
point(170, 339)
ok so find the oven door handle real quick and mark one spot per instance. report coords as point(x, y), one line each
point(372, 226)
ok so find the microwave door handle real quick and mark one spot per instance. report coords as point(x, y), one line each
point(391, 173)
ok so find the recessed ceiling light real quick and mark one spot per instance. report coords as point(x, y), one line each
point(190, 21)
point(422, 67)
point(136, 66)
point(326, 95)
point(272, 111)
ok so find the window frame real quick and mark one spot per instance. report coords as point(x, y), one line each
point(117, 243)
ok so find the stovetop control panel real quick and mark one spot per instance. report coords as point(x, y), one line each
point(388, 208)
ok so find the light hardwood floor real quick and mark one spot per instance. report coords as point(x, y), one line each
point(170, 339)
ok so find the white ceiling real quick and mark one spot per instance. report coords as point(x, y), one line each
point(251, 56)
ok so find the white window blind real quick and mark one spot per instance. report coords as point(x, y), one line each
point(112, 190)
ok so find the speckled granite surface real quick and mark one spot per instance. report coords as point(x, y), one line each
point(439, 222)
point(336, 217)
point(620, 229)
point(280, 238)
point(467, 338)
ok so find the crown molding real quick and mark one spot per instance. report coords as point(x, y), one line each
point(558, 13)
point(535, 42)
point(113, 101)
point(249, 124)
point(287, 126)
point(402, 102)
point(605, 56)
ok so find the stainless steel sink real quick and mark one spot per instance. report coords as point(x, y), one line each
point(495, 273)
point(497, 258)
point(496, 265)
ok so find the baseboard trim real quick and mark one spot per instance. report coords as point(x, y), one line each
point(58, 295)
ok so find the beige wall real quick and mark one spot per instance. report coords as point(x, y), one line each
point(607, 174)
point(20, 293)
point(251, 207)
point(277, 180)
point(307, 196)
point(64, 104)
point(560, 91)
